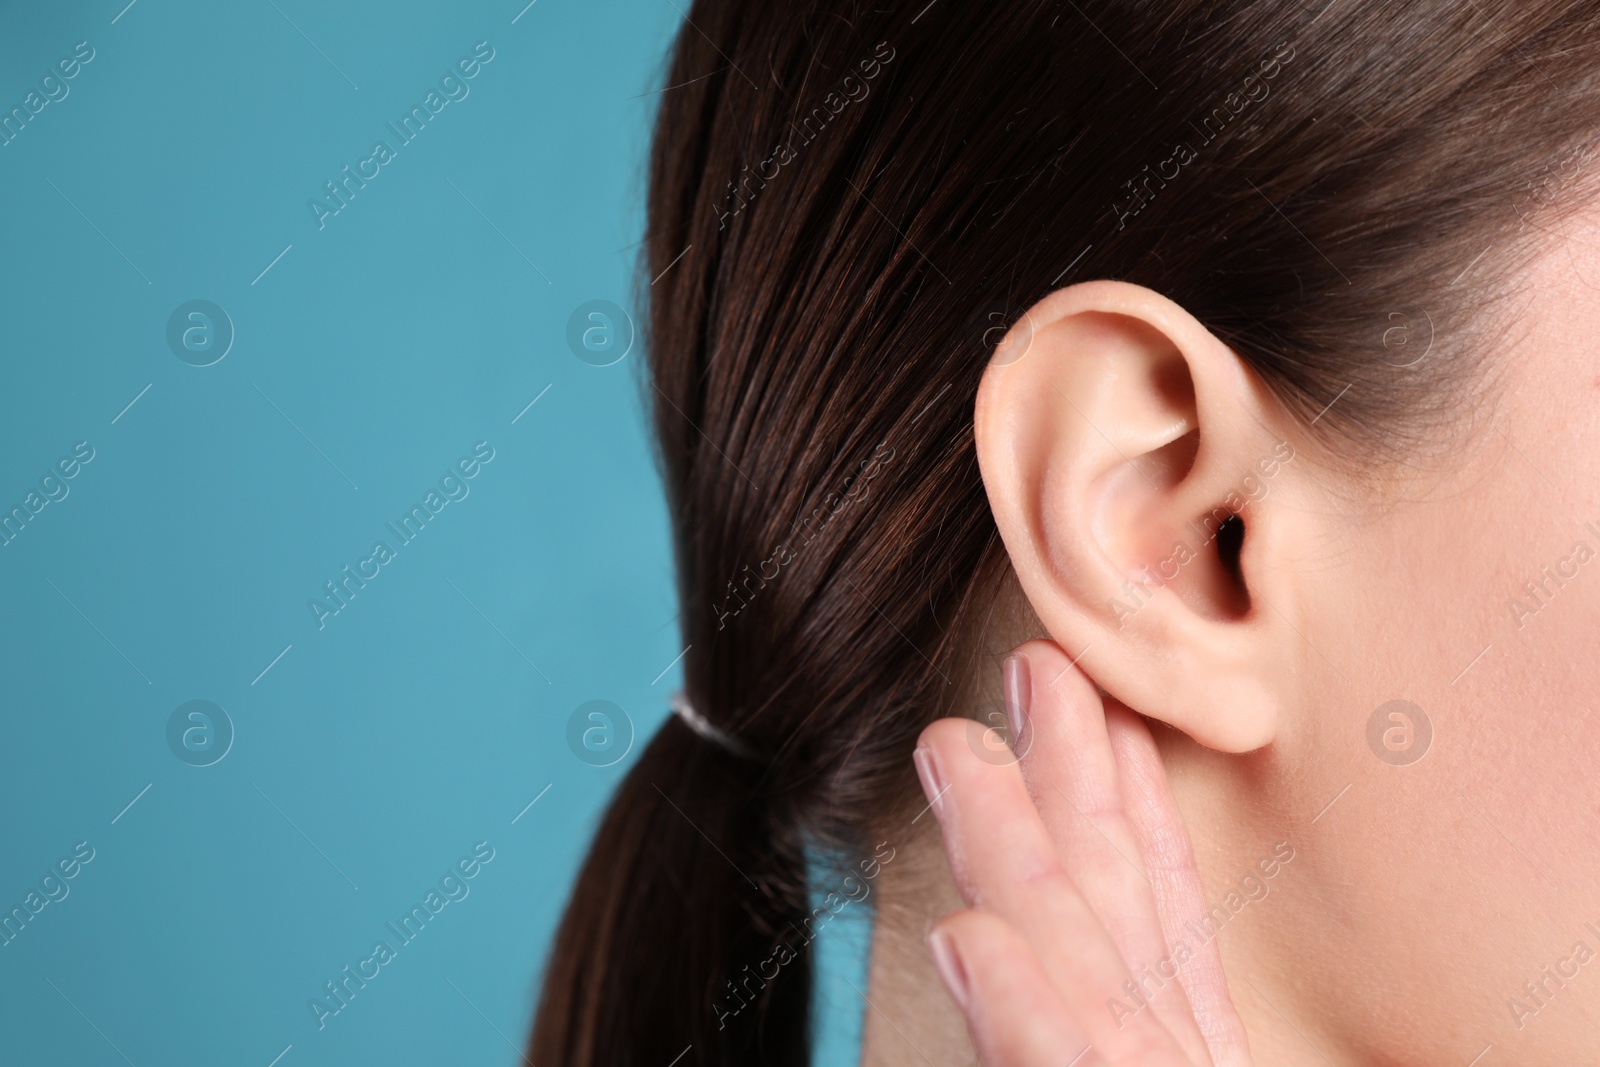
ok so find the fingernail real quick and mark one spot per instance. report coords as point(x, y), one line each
point(928, 771)
point(1019, 694)
point(948, 960)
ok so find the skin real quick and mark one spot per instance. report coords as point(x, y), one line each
point(1227, 717)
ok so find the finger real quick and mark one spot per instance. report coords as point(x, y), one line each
point(1180, 898)
point(1070, 770)
point(1012, 1011)
point(1003, 861)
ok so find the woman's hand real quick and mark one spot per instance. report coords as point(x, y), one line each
point(1079, 878)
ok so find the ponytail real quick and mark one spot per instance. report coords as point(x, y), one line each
point(812, 368)
point(691, 882)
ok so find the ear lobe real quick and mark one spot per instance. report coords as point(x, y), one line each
point(1126, 451)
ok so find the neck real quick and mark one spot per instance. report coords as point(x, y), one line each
point(910, 1020)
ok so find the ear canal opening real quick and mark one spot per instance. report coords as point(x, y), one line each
point(1230, 551)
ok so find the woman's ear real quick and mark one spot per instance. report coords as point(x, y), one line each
point(1131, 460)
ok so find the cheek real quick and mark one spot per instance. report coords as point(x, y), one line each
point(1450, 593)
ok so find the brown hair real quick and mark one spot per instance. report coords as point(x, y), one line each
point(847, 205)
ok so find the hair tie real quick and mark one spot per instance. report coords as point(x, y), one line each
point(683, 709)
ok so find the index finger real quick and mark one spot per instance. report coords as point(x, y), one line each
point(1004, 861)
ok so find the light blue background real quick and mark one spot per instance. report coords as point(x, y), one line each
point(371, 754)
